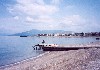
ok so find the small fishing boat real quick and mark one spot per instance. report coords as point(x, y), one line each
point(55, 47)
point(23, 36)
point(97, 38)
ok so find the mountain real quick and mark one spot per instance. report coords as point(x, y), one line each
point(35, 32)
point(28, 33)
point(54, 31)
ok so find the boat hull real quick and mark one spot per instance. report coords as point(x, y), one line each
point(62, 48)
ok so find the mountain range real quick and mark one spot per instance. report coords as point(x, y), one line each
point(35, 32)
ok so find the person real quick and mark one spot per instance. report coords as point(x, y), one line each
point(43, 42)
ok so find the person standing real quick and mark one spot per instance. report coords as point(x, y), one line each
point(43, 42)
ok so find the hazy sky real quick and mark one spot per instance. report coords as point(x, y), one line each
point(69, 15)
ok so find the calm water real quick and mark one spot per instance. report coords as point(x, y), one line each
point(14, 48)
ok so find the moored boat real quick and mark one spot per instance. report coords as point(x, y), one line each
point(23, 36)
point(97, 38)
point(55, 47)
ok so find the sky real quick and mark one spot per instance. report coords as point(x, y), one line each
point(69, 15)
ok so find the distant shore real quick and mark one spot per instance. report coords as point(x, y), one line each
point(66, 60)
point(67, 36)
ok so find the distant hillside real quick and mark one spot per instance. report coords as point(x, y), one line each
point(28, 33)
point(54, 31)
point(35, 32)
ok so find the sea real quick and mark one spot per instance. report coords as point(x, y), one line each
point(15, 48)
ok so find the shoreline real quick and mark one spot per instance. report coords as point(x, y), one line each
point(38, 62)
point(68, 36)
point(24, 60)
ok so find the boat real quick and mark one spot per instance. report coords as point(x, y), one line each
point(23, 36)
point(55, 47)
point(97, 38)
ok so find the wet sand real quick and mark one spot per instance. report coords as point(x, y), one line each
point(82, 59)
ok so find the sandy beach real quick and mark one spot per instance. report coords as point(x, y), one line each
point(82, 59)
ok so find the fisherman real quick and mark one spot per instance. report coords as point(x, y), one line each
point(43, 42)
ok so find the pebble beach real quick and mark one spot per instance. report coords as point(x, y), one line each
point(82, 59)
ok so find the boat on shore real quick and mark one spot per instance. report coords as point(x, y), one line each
point(55, 47)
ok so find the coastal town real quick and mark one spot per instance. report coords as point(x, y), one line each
point(90, 34)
